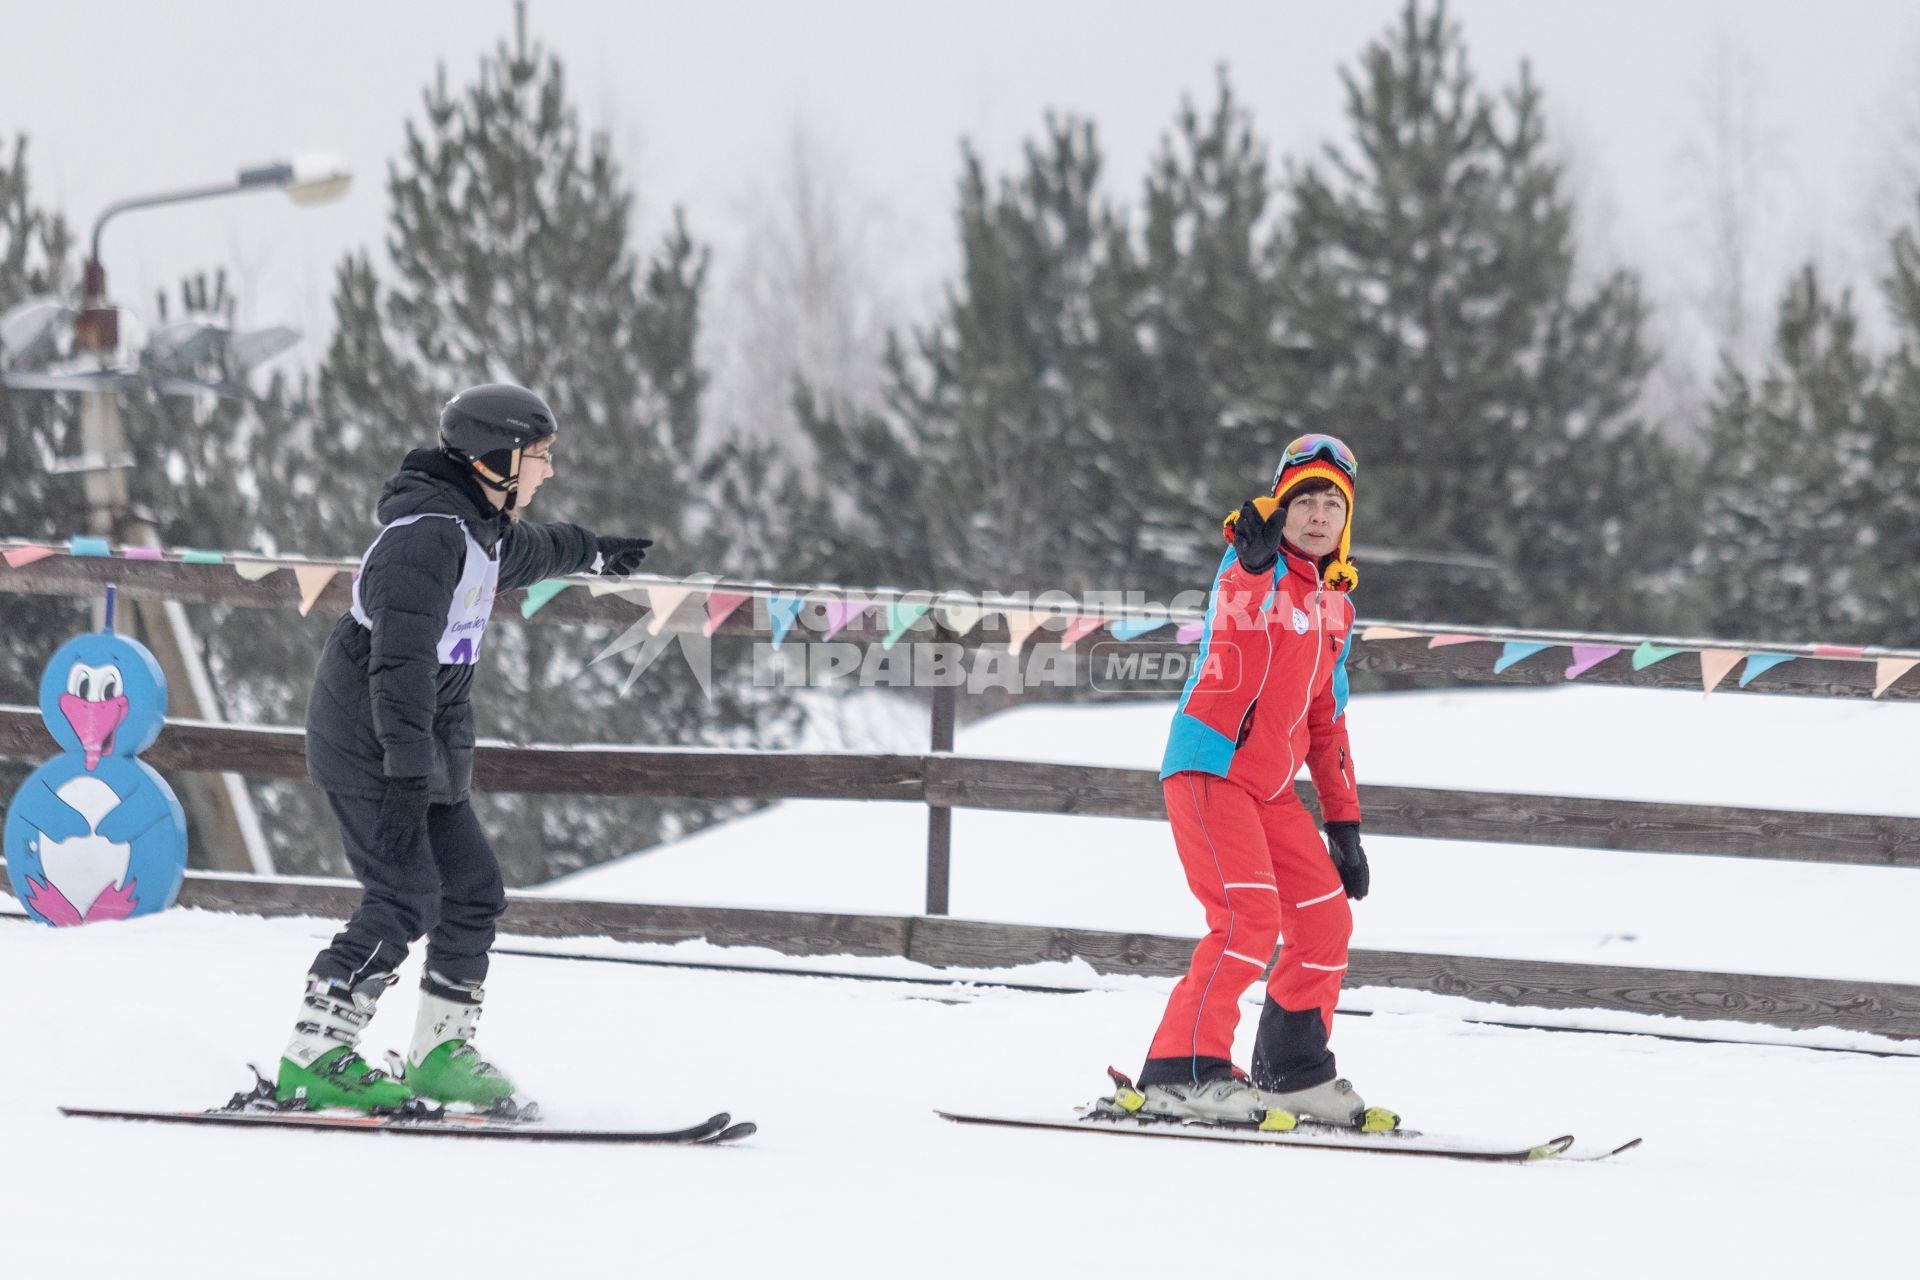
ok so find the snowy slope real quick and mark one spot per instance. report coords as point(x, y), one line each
point(1758, 1162)
point(1447, 896)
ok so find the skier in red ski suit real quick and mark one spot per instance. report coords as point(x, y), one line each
point(1268, 693)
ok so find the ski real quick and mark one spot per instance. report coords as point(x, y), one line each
point(715, 1129)
point(1407, 1142)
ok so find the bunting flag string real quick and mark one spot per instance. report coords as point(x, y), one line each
point(1715, 664)
point(1134, 628)
point(781, 613)
point(901, 617)
point(1649, 653)
point(1517, 651)
point(663, 601)
point(1588, 656)
point(1761, 662)
point(720, 607)
point(313, 579)
point(539, 593)
point(17, 556)
point(1020, 625)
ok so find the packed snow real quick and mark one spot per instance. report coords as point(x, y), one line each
point(1780, 1159)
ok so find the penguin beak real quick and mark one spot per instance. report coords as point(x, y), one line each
point(94, 723)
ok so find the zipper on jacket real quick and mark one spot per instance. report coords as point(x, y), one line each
point(1293, 764)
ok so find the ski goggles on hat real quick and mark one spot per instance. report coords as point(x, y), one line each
point(1309, 447)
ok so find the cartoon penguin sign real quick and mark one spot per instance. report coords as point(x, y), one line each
point(95, 834)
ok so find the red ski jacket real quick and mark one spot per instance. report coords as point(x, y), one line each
point(1269, 686)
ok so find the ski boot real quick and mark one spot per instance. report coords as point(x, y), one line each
point(443, 1065)
point(1228, 1100)
point(322, 1067)
point(1332, 1102)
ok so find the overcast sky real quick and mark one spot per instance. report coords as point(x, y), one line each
point(119, 98)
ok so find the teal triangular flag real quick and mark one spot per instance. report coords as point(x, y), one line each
point(202, 557)
point(781, 613)
point(1649, 653)
point(1758, 662)
point(1514, 651)
point(539, 593)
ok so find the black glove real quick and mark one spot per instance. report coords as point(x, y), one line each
point(1256, 539)
point(619, 557)
point(1349, 859)
point(403, 818)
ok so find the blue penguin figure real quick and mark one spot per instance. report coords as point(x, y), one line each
point(95, 834)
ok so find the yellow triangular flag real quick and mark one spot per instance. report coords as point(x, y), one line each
point(1020, 626)
point(1715, 663)
point(1888, 670)
point(609, 586)
point(254, 570)
point(663, 601)
point(313, 580)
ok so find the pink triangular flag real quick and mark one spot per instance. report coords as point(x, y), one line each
point(1078, 628)
point(1189, 632)
point(1390, 633)
point(1441, 642)
point(1888, 670)
point(17, 556)
point(1839, 651)
point(254, 570)
point(313, 580)
point(1715, 663)
point(720, 607)
point(1020, 625)
point(663, 601)
point(1588, 656)
point(143, 553)
point(839, 614)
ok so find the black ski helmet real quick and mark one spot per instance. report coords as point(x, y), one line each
point(487, 427)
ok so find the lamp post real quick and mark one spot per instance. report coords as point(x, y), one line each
point(226, 826)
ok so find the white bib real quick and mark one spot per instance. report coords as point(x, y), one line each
point(472, 597)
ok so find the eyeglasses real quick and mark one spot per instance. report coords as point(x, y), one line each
point(544, 459)
point(1309, 447)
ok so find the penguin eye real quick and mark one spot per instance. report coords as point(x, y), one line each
point(109, 689)
point(86, 689)
point(77, 681)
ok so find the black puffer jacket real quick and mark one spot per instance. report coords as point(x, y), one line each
point(383, 706)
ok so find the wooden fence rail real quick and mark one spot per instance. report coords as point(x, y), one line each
point(1881, 1008)
point(962, 782)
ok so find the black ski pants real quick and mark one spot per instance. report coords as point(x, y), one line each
point(447, 889)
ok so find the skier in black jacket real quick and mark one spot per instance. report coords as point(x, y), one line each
point(390, 740)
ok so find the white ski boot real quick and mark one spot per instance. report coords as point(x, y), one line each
point(1230, 1100)
point(1332, 1102)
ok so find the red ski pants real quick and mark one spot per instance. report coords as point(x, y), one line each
point(1262, 872)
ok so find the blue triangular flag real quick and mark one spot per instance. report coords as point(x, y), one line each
point(1758, 662)
point(781, 613)
point(1134, 628)
point(1515, 651)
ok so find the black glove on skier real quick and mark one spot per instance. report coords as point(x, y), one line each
point(619, 557)
point(1256, 539)
point(1349, 859)
point(403, 817)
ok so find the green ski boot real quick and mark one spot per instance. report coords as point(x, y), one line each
point(443, 1065)
point(340, 1078)
point(321, 1067)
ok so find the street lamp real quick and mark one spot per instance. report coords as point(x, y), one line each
point(224, 814)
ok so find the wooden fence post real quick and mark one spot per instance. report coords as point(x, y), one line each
point(939, 817)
